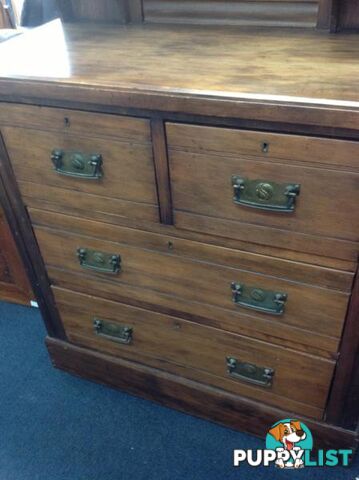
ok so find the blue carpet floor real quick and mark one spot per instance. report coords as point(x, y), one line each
point(55, 426)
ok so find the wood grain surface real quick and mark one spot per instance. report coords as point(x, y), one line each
point(263, 75)
point(310, 308)
point(185, 395)
point(201, 184)
point(290, 149)
point(198, 249)
point(122, 163)
point(21, 228)
point(75, 122)
point(189, 396)
point(198, 347)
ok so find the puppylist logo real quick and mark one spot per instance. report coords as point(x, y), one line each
point(289, 445)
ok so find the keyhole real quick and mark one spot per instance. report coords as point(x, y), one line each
point(170, 245)
point(67, 121)
point(265, 147)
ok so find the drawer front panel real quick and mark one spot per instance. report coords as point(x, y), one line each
point(74, 122)
point(126, 173)
point(94, 207)
point(195, 249)
point(204, 349)
point(203, 184)
point(311, 308)
point(264, 145)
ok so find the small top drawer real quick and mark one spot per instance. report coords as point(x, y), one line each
point(232, 183)
point(75, 122)
point(94, 165)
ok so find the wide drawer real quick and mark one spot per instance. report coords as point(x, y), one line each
point(200, 274)
point(280, 190)
point(97, 172)
point(292, 379)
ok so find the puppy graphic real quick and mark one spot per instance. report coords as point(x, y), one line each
point(289, 434)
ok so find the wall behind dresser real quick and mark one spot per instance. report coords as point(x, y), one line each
point(294, 13)
point(348, 15)
point(331, 14)
point(111, 11)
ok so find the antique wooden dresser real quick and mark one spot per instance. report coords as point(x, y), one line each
point(185, 199)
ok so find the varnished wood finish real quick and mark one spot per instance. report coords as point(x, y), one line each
point(236, 322)
point(174, 341)
point(77, 123)
point(162, 171)
point(294, 13)
point(74, 131)
point(112, 210)
point(287, 149)
point(258, 80)
point(310, 308)
point(197, 248)
point(203, 160)
point(22, 230)
point(187, 395)
point(14, 284)
point(222, 78)
point(308, 244)
point(121, 165)
point(201, 185)
point(345, 390)
point(145, 218)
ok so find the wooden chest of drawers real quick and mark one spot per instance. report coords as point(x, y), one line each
point(205, 262)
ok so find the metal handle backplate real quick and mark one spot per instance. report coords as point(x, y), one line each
point(116, 333)
point(265, 195)
point(250, 373)
point(265, 301)
point(99, 261)
point(76, 164)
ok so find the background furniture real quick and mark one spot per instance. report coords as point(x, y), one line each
point(186, 209)
point(333, 15)
point(14, 285)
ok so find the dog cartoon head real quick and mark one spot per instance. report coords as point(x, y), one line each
point(288, 433)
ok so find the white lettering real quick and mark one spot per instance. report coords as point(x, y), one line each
point(257, 461)
point(296, 454)
point(283, 455)
point(238, 457)
point(268, 457)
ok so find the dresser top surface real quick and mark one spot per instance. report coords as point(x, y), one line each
point(274, 65)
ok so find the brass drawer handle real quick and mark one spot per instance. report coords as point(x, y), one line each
point(78, 165)
point(265, 195)
point(265, 301)
point(99, 261)
point(250, 373)
point(116, 333)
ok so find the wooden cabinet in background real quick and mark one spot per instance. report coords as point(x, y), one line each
point(14, 285)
